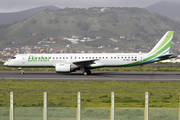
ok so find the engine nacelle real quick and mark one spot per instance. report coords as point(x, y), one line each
point(65, 67)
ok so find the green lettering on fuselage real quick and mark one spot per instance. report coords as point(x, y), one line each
point(32, 58)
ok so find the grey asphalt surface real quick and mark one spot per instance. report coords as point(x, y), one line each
point(95, 76)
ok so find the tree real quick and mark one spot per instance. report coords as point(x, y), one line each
point(83, 25)
point(33, 21)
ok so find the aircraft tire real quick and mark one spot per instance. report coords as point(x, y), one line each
point(85, 73)
point(22, 73)
point(88, 72)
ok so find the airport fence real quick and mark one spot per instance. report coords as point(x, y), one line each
point(47, 112)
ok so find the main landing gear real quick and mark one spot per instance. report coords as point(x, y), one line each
point(84, 71)
point(87, 72)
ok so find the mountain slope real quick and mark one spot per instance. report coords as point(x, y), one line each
point(7, 18)
point(169, 9)
point(139, 26)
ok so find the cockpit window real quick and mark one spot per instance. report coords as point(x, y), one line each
point(13, 58)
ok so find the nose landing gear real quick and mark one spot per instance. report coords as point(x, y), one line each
point(21, 70)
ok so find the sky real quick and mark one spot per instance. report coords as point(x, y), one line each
point(20, 5)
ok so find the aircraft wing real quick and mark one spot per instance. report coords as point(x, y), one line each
point(85, 61)
point(171, 55)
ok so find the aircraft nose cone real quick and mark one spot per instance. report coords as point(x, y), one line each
point(5, 64)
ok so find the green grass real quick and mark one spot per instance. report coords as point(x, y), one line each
point(120, 69)
point(94, 94)
point(69, 113)
point(142, 69)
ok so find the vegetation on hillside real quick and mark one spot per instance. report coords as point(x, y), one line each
point(138, 25)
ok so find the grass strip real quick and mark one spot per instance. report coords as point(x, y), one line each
point(94, 94)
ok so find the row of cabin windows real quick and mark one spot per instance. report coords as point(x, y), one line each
point(84, 57)
point(94, 57)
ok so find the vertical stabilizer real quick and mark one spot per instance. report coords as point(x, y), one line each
point(163, 46)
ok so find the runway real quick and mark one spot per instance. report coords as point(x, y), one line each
point(95, 76)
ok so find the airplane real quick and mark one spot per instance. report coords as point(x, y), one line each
point(70, 62)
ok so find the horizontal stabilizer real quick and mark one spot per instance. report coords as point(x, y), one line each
point(167, 56)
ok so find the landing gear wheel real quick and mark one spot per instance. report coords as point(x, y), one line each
point(88, 72)
point(85, 73)
point(22, 72)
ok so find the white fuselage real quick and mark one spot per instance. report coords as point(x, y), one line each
point(50, 60)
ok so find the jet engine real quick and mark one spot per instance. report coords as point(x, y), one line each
point(65, 67)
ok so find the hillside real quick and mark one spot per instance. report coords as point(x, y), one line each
point(166, 8)
point(8, 18)
point(138, 26)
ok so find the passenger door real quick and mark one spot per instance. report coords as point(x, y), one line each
point(23, 58)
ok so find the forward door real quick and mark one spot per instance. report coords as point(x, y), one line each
point(23, 59)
